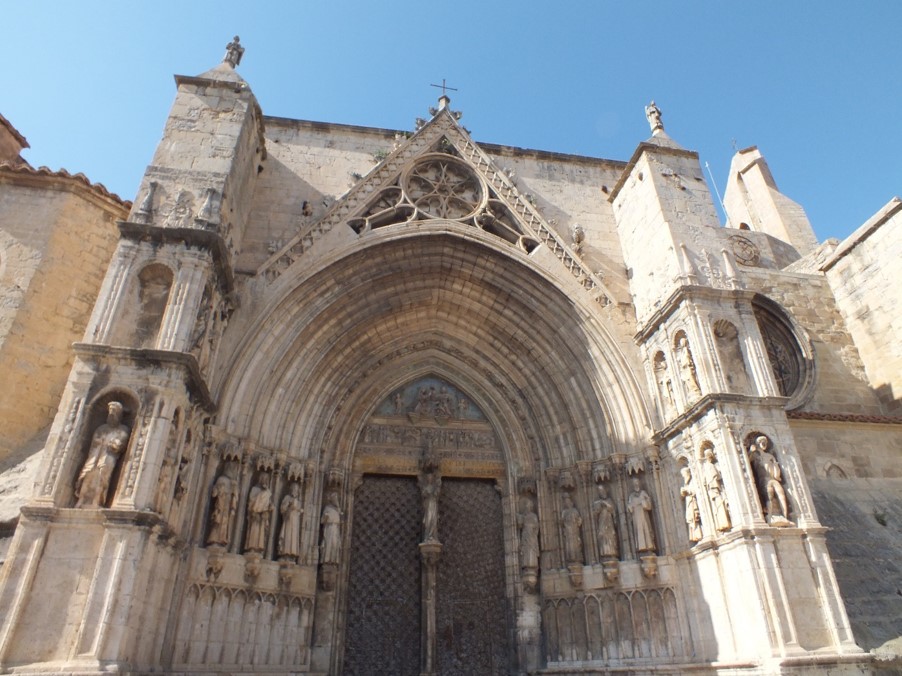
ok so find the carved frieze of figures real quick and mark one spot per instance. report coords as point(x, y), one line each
point(290, 533)
point(108, 443)
point(640, 507)
point(769, 480)
point(572, 523)
point(715, 490)
point(688, 373)
point(604, 513)
point(692, 515)
point(224, 497)
point(259, 516)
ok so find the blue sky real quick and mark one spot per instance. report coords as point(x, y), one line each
point(816, 86)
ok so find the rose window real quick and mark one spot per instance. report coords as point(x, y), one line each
point(441, 186)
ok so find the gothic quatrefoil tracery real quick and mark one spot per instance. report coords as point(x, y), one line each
point(440, 185)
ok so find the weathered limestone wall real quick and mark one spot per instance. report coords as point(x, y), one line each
point(864, 275)
point(865, 543)
point(54, 248)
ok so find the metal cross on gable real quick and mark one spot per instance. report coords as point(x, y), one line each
point(444, 87)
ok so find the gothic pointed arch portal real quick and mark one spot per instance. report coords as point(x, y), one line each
point(426, 583)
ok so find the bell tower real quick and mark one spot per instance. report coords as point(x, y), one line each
point(109, 520)
point(720, 421)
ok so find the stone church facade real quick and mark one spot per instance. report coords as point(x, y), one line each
point(357, 401)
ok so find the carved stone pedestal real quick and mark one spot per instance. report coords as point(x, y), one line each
point(576, 575)
point(328, 575)
point(649, 563)
point(611, 568)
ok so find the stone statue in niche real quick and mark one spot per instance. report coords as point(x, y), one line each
point(665, 385)
point(640, 507)
point(692, 515)
point(529, 544)
point(572, 522)
point(290, 534)
point(687, 368)
point(259, 516)
point(331, 523)
point(769, 477)
point(714, 487)
point(225, 503)
point(398, 402)
point(430, 484)
point(605, 515)
point(108, 443)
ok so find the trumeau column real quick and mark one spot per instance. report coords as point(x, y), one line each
point(95, 500)
point(756, 566)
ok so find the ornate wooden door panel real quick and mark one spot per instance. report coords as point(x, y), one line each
point(472, 613)
point(383, 625)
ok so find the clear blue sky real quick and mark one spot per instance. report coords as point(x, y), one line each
point(816, 86)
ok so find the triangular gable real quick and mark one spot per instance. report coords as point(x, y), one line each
point(439, 173)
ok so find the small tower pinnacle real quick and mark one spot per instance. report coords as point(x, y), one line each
point(234, 52)
point(653, 114)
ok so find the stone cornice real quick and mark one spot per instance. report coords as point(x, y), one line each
point(143, 356)
point(678, 295)
point(708, 403)
point(205, 239)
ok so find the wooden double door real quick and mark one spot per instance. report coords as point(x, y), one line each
point(384, 627)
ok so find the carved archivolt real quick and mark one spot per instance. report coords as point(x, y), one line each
point(440, 185)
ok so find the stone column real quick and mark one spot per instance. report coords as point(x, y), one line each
point(430, 552)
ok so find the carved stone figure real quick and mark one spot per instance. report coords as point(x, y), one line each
point(572, 523)
point(714, 487)
point(687, 369)
point(529, 537)
point(331, 522)
point(234, 52)
point(107, 445)
point(770, 482)
point(259, 513)
point(225, 502)
point(423, 401)
point(444, 403)
point(653, 115)
point(605, 514)
point(692, 515)
point(398, 403)
point(430, 485)
point(463, 407)
point(639, 506)
point(290, 534)
point(665, 385)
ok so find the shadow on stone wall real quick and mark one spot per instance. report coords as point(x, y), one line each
point(865, 542)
